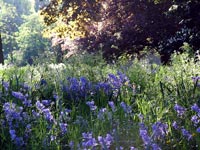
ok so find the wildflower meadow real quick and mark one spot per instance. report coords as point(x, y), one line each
point(84, 104)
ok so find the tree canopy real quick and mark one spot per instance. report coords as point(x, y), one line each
point(9, 21)
point(21, 31)
point(29, 37)
point(125, 26)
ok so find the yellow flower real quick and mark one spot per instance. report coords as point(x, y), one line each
point(168, 141)
point(126, 83)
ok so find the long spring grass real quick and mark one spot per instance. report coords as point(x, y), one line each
point(87, 104)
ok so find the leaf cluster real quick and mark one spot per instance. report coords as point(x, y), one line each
point(117, 26)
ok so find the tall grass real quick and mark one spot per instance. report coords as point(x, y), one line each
point(86, 103)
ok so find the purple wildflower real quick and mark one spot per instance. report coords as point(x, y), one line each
point(155, 147)
point(159, 130)
point(25, 116)
point(67, 111)
point(83, 83)
point(132, 148)
point(123, 78)
point(28, 128)
point(9, 106)
point(142, 126)
point(27, 103)
point(123, 105)
point(91, 105)
point(195, 120)
point(88, 141)
point(175, 125)
point(83, 80)
point(179, 109)
point(127, 109)
point(47, 114)
point(25, 86)
point(71, 144)
point(12, 112)
point(5, 85)
point(18, 95)
point(196, 80)
point(198, 130)
point(39, 106)
point(195, 108)
point(53, 137)
point(101, 113)
point(141, 117)
point(114, 81)
point(46, 102)
point(63, 127)
point(112, 105)
point(64, 114)
point(145, 137)
point(12, 134)
point(86, 135)
point(186, 134)
point(105, 142)
point(104, 86)
point(19, 141)
point(35, 114)
point(43, 82)
point(55, 96)
point(74, 85)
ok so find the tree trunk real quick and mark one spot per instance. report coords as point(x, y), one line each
point(1, 51)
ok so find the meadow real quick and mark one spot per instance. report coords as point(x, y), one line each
point(87, 104)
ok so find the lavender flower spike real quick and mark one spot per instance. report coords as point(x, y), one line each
point(12, 134)
point(198, 130)
point(186, 134)
point(195, 108)
point(18, 95)
point(179, 109)
point(91, 105)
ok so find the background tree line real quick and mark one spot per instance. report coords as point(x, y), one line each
point(120, 27)
point(115, 27)
point(21, 31)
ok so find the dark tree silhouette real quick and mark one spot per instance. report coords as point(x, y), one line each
point(126, 27)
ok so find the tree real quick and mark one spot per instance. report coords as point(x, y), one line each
point(22, 7)
point(29, 38)
point(123, 26)
point(38, 4)
point(9, 21)
point(11, 18)
point(186, 13)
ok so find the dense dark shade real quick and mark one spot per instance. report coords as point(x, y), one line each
point(1, 51)
point(130, 26)
point(187, 21)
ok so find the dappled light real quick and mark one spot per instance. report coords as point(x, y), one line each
point(99, 74)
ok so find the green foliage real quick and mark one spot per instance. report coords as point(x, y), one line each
point(29, 38)
point(23, 7)
point(153, 92)
point(112, 26)
point(9, 21)
point(21, 31)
